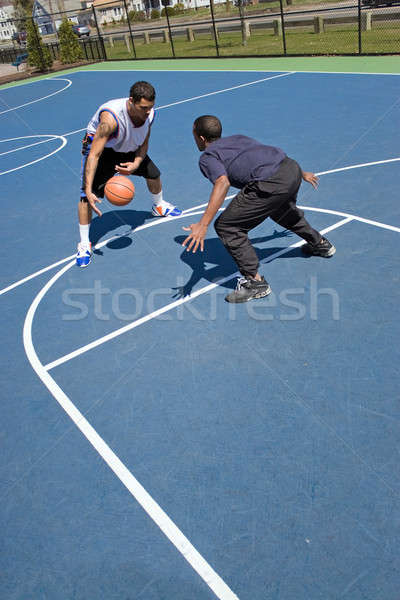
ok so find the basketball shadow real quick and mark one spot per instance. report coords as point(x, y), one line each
point(114, 219)
point(215, 263)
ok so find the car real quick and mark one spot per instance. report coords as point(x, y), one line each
point(81, 30)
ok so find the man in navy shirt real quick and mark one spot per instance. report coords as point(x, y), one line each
point(268, 181)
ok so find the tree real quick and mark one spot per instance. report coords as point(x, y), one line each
point(22, 6)
point(21, 10)
point(38, 54)
point(70, 48)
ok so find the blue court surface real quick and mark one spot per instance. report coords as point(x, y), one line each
point(157, 442)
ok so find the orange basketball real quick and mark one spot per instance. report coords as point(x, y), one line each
point(119, 190)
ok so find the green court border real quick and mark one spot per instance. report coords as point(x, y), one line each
point(326, 64)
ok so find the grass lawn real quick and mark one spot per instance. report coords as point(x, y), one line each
point(343, 40)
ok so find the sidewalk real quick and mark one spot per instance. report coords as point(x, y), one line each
point(8, 73)
point(8, 69)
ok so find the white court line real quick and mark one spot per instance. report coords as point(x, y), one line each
point(202, 96)
point(42, 98)
point(189, 210)
point(97, 247)
point(172, 532)
point(198, 563)
point(32, 162)
point(221, 590)
point(235, 87)
point(52, 137)
point(353, 217)
point(158, 108)
point(369, 164)
point(172, 305)
point(222, 71)
point(167, 526)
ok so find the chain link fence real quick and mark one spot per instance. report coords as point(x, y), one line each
point(145, 29)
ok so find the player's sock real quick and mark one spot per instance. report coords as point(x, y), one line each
point(157, 198)
point(84, 233)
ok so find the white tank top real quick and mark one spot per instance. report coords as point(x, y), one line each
point(127, 137)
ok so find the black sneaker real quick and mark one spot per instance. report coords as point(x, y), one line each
point(324, 248)
point(249, 289)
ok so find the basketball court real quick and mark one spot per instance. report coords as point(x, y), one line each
point(159, 443)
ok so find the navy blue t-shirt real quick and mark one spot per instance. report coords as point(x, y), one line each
point(241, 159)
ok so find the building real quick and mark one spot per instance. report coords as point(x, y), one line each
point(109, 11)
point(7, 26)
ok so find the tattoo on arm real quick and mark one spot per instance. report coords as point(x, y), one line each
point(104, 129)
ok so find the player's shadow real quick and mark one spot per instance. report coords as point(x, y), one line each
point(128, 220)
point(221, 263)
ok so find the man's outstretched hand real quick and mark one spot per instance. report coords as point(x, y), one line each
point(310, 178)
point(196, 238)
point(93, 199)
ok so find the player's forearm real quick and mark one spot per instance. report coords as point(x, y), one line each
point(143, 149)
point(90, 170)
point(216, 200)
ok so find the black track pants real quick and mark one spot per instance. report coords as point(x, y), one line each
point(275, 198)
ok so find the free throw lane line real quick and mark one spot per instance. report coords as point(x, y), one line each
point(157, 514)
point(171, 305)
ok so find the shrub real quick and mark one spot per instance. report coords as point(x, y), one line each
point(170, 9)
point(70, 48)
point(38, 54)
point(137, 15)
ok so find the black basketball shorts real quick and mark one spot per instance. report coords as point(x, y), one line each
point(108, 160)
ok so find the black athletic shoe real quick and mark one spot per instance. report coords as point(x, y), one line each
point(324, 248)
point(248, 289)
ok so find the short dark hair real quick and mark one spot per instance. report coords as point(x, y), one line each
point(142, 89)
point(209, 127)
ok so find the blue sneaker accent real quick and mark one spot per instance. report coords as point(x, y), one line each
point(84, 255)
point(175, 212)
point(165, 209)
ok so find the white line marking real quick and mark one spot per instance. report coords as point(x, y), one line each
point(202, 96)
point(223, 69)
point(97, 247)
point(188, 212)
point(353, 217)
point(167, 526)
point(138, 70)
point(235, 87)
point(370, 164)
point(158, 108)
point(42, 98)
point(51, 136)
point(76, 131)
point(172, 305)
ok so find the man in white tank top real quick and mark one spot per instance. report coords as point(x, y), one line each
point(116, 141)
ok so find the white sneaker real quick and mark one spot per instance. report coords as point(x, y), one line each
point(84, 254)
point(165, 209)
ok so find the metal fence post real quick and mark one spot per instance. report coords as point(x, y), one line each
point(359, 28)
point(169, 29)
point(283, 28)
point(130, 29)
point(214, 26)
point(99, 34)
